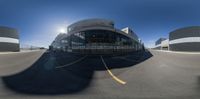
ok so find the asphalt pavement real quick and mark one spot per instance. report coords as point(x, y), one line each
point(15, 62)
point(59, 75)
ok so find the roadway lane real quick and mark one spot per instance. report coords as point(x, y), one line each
point(163, 76)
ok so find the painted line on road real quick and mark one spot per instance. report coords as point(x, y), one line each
point(111, 74)
point(178, 52)
point(76, 61)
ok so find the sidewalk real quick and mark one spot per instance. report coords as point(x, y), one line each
point(179, 52)
point(21, 51)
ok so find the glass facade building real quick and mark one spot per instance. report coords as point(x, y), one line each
point(97, 36)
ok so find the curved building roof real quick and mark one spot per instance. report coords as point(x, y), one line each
point(9, 32)
point(192, 31)
point(96, 24)
point(90, 23)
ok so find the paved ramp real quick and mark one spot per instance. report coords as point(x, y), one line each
point(12, 63)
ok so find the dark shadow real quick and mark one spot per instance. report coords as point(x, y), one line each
point(198, 82)
point(44, 78)
point(123, 60)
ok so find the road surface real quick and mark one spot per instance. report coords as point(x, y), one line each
point(14, 62)
point(154, 75)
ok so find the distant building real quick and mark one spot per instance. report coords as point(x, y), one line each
point(162, 44)
point(9, 39)
point(97, 36)
point(184, 39)
point(59, 43)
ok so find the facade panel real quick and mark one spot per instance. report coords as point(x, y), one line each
point(5, 47)
point(192, 46)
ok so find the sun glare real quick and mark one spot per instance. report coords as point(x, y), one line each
point(62, 30)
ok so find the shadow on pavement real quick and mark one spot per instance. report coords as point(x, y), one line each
point(198, 82)
point(122, 61)
point(44, 78)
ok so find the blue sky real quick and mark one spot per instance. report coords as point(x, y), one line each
point(39, 21)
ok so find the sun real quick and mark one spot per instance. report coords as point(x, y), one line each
point(62, 30)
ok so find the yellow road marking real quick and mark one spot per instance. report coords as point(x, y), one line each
point(72, 62)
point(111, 74)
